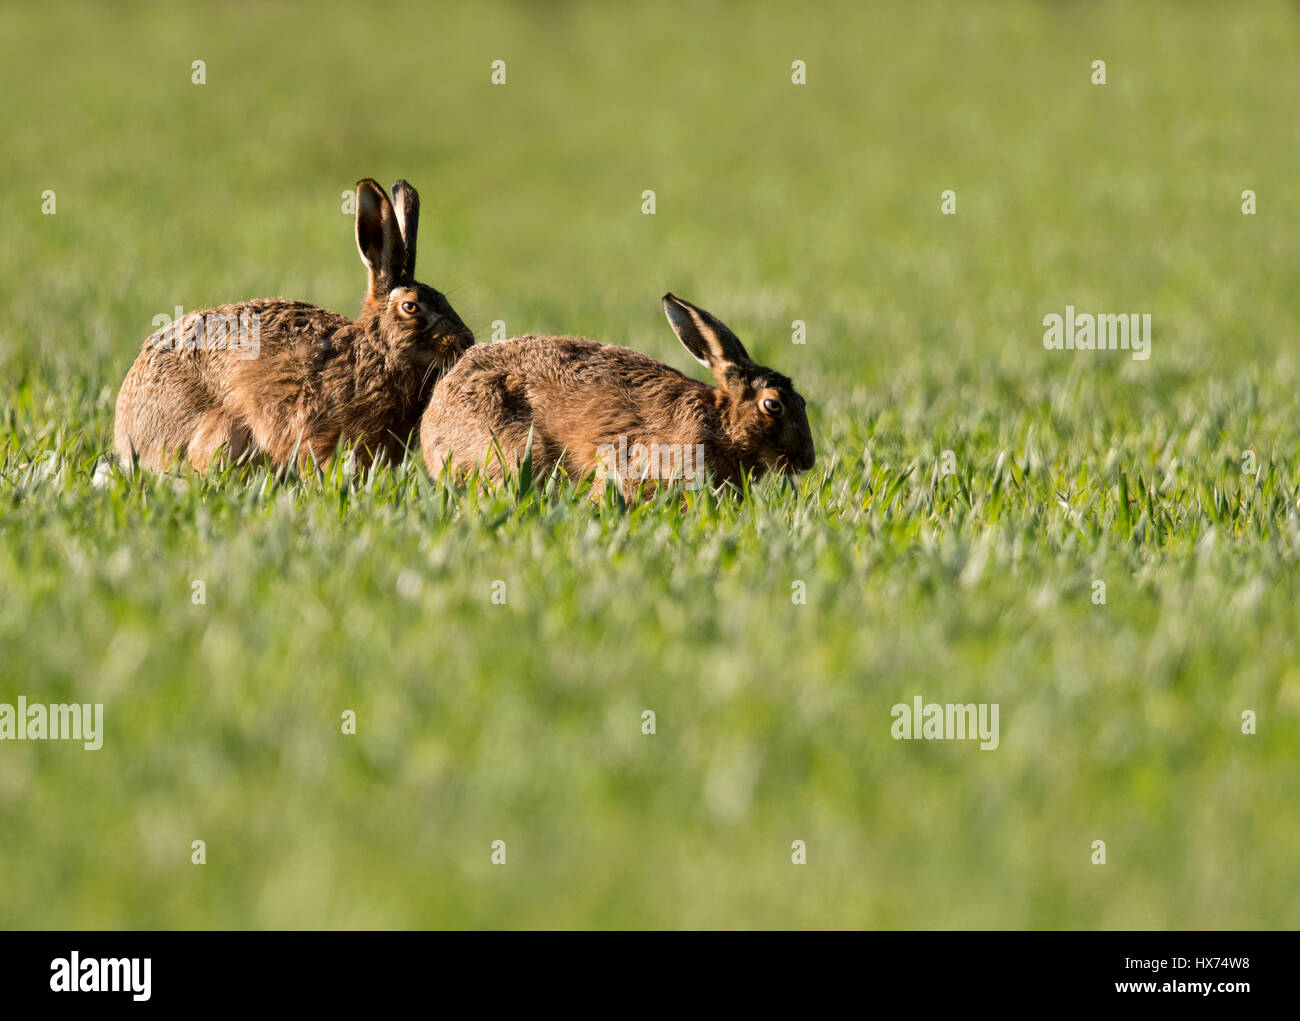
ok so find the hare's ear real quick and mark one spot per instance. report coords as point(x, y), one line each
point(406, 204)
point(378, 238)
point(706, 338)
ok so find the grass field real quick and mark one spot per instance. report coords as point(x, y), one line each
point(521, 722)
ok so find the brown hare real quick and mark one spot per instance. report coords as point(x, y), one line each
point(596, 408)
point(272, 376)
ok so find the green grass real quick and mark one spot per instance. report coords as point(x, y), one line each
point(522, 722)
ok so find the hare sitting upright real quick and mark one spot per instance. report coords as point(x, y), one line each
point(271, 376)
point(609, 410)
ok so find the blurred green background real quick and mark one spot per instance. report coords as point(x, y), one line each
point(775, 202)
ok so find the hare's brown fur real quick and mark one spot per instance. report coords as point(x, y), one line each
point(317, 377)
point(578, 397)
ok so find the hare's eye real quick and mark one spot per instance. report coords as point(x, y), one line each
point(409, 307)
point(771, 405)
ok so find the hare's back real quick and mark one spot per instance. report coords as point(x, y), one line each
point(246, 328)
point(561, 364)
point(567, 397)
point(568, 390)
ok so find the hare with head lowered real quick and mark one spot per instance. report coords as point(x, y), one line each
point(611, 411)
point(272, 376)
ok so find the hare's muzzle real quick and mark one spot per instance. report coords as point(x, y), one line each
point(460, 338)
point(452, 339)
point(808, 458)
point(793, 462)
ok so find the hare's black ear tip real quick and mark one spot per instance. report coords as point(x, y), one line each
point(368, 182)
point(671, 299)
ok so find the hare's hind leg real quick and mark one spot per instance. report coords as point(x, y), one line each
point(461, 447)
point(456, 436)
point(217, 435)
point(155, 418)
